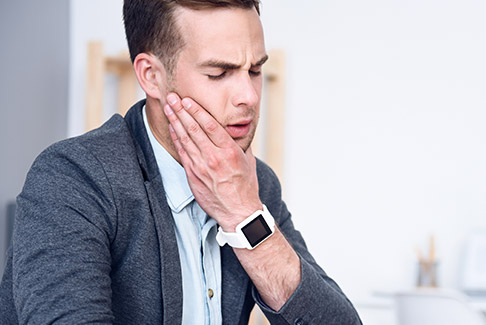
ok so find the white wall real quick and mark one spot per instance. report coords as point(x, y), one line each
point(386, 143)
point(385, 134)
point(387, 104)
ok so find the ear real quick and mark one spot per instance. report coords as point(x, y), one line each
point(151, 75)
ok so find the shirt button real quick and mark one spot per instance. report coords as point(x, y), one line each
point(210, 293)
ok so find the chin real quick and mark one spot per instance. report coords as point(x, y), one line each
point(244, 144)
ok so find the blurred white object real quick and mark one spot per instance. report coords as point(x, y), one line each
point(474, 264)
point(436, 307)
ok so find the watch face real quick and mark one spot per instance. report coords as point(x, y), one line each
point(256, 231)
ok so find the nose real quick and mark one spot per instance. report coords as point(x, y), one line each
point(247, 90)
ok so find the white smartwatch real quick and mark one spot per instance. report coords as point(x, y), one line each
point(251, 232)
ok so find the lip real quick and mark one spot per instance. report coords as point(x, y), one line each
point(239, 130)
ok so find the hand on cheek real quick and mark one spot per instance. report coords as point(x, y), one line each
point(221, 175)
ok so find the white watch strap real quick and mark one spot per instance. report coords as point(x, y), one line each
point(237, 239)
point(231, 238)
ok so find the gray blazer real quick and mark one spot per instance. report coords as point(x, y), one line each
point(94, 242)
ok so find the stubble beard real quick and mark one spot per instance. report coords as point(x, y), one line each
point(250, 137)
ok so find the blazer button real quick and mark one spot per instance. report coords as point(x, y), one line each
point(299, 321)
point(210, 293)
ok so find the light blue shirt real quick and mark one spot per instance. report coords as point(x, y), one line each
point(196, 239)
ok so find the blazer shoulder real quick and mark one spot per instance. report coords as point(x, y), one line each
point(270, 189)
point(265, 173)
point(97, 159)
point(90, 172)
point(111, 142)
point(113, 132)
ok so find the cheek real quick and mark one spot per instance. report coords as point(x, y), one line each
point(186, 86)
point(213, 104)
point(210, 96)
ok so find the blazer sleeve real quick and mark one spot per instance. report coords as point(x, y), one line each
point(317, 299)
point(61, 244)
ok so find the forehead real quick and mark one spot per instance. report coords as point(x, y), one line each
point(225, 34)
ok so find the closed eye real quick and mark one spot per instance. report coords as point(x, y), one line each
point(217, 77)
point(255, 73)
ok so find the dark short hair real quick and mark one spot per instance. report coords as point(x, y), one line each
point(150, 25)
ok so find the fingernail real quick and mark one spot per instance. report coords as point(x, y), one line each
point(186, 103)
point(172, 99)
point(171, 129)
point(168, 110)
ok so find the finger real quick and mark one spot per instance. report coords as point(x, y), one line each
point(191, 126)
point(186, 160)
point(182, 141)
point(249, 152)
point(249, 155)
point(177, 144)
point(211, 127)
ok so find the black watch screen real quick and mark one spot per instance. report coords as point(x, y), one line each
point(256, 231)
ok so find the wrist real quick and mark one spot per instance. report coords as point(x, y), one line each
point(249, 233)
point(229, 224)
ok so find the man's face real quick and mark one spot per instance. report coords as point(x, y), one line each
point(220, 67)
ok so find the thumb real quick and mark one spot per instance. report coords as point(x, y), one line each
point(249, 153)
point(250, 157)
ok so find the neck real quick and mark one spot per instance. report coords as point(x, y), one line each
point(159, 125)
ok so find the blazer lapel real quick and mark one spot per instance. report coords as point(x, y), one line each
point(171, 278)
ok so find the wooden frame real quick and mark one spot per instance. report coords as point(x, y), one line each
point(98, 65)
point(274, 110)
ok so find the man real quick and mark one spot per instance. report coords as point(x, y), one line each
point(124, 224)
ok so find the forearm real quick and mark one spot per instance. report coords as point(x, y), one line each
point(274, 268)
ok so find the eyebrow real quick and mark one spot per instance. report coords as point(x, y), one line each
point(228, 65)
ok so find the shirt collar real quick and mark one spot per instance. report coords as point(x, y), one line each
point(174, 177)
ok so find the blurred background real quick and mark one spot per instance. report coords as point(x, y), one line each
point(385, 114)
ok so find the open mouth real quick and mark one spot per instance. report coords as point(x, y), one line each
point(238, 130)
